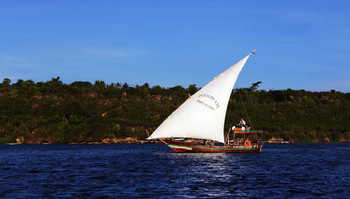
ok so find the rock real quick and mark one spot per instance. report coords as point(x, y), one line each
point(20, 140)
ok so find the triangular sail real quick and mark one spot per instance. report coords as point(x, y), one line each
point(202, 116)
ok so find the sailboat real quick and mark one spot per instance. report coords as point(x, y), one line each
point(197, 126)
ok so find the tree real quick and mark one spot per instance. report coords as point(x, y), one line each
point(255, 85)
point(100, 84)
point(81, 84)
point(55, 82)
point(6, 82)
point(192, 89)
point(125, 85)
point(145, 85)
point(116, 129)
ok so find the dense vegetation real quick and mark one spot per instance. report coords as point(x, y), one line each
point(55, 112)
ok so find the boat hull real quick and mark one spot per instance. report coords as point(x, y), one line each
point(188, 147)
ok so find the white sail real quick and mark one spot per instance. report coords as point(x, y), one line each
point(202, 116)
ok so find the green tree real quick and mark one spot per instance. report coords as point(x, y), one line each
point(192, 89)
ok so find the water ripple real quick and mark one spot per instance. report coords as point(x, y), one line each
point(153, 171)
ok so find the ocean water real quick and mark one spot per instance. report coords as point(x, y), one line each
point(154, 171)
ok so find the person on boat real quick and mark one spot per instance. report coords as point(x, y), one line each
point(242, 123)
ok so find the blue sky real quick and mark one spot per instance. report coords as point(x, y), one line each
point(300, 44)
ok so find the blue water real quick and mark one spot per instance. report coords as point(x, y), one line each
point(154, 171)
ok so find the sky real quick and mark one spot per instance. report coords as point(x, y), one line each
point(299, 44)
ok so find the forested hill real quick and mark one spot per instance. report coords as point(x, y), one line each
point(54, 112)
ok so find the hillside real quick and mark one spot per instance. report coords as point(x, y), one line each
point(54, 112)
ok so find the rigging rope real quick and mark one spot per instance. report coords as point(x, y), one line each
point(251, 124)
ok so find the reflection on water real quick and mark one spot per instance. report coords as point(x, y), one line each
point(210, 175)
point(153, 171)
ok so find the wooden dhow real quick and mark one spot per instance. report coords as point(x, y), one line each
point(197, 126)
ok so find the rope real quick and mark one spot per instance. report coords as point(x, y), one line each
point(251, 124)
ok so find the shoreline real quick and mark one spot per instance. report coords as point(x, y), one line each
point(128, 140)
point(158, 142)
point(135, 140)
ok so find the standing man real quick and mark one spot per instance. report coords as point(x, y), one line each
point(242, 123)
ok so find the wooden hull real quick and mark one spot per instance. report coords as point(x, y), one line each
point(188, 147)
